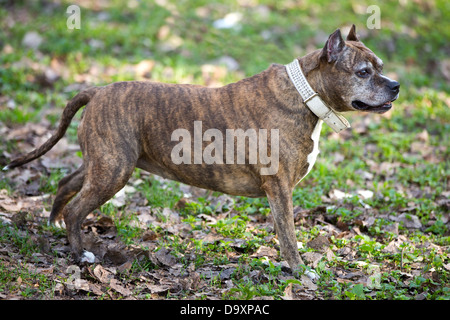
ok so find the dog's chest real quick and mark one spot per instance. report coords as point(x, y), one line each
point(312, 157)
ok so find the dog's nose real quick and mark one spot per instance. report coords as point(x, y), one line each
point(394, 86)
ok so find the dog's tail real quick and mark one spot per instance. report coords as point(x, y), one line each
point(80, 100)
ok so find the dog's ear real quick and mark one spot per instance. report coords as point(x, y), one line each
point(333, 46)
point(352, 34)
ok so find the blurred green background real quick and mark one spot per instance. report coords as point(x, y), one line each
point(413, 38)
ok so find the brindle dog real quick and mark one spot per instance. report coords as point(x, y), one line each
point(130, 124)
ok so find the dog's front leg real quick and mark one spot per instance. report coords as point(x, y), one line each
point(279, 195)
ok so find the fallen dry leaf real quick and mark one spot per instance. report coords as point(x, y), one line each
point(114, 284)
point(288, 294)
point(95, 289)
point(312, 258)
point(264, 251)
point(158, 289)
point(410, 221)
point(307, 283)
point(103, 275)
point(163, 257)
point(319, 243)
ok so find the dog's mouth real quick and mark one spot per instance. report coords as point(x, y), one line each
point(359, 105)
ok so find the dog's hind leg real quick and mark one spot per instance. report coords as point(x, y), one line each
point(101, 183)
point(68, 187)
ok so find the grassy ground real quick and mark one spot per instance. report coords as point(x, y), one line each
point(373, 215)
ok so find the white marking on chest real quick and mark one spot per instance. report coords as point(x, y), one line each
point(312, 157)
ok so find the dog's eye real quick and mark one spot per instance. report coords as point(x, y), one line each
point(364, 73)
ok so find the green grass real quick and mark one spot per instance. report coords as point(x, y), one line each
point(18, 278)
point(24, 282)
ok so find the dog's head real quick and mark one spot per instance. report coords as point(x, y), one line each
point(355, 79)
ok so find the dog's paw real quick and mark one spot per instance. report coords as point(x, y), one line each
point(57, 223)
point(88, 257)
point(60, 224)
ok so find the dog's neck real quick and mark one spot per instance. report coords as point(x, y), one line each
point(312, 99)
